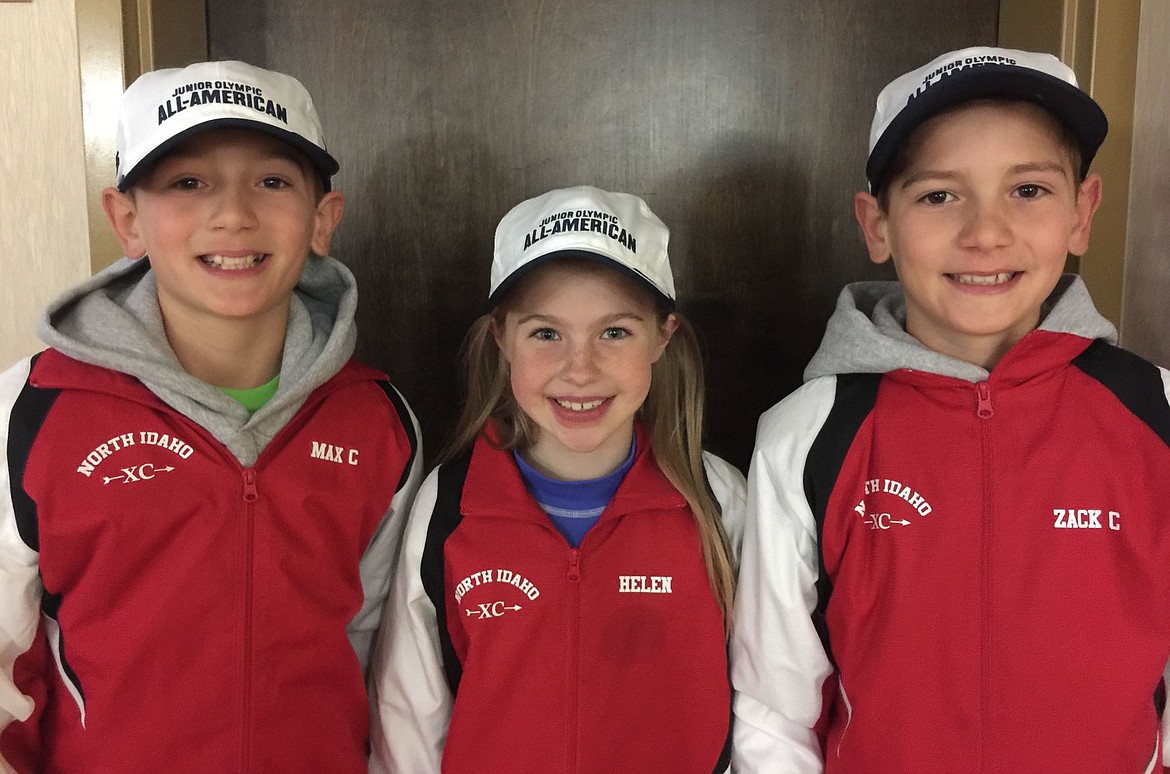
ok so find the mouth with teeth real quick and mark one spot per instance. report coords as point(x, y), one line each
point(576, 407)
point(233, 262)
point(985, 279)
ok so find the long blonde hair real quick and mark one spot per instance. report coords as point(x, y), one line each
point(672, 414)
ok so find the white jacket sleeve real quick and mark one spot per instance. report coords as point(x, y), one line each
point(20, 588)
point(378, 562)
point(412, 700)
point(730, 489)
point(1165, 726)
point(778, 663)
point(1166, 672)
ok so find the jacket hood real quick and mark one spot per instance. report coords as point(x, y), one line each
point(113, 320)
point(867, 332)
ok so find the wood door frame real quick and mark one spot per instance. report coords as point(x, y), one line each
point(1099, 41)
point(1147, 278)
point(118, 40)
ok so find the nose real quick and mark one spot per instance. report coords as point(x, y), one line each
point(581, 365)
point(233, 208)
point(986, 226)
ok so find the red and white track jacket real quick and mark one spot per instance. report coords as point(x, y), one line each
point(164, 608)
point(944, 574)
point(514, 653)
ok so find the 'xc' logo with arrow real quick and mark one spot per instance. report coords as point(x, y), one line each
point(883, 521)
point(490, 610)
point(137, 473)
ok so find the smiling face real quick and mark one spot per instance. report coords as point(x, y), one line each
point(227, 220)
point(580, 341)
point(979, 225)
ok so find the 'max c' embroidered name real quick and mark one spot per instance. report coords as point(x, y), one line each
point(119, 442)
point(338, 454)
point(644, 584)
point(1084, 518)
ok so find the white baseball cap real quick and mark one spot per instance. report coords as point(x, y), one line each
point(617, 229)
point(163, 108)
point(978, 73)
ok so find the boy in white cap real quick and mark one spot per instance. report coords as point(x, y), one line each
point(957, 556)
point(201, 493)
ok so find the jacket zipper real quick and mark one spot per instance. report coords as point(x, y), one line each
point(984, 409)
point(574, 577)
point(250, 497)
point(985, 412)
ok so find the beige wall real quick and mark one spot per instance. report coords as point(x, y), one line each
point(1111, 82)
point(1146, 322)
point(44, 242)
point(1098, 39)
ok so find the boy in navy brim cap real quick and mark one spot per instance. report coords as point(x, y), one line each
point(956, 556)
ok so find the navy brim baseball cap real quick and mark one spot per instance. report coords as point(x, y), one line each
point(164, 108)
point(981, 73)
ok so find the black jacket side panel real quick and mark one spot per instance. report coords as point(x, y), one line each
point(445, 520)
point(854, 401)
point(407, 427)
point(29, 411)
point(1137, 383)
point(724, 761)
point(28, 414)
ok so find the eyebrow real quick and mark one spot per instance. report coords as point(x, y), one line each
point(271, 151)
point(607, 320)
point(187, 157)
point(1017, 169)
point(926, 174)
point(1039, 166)
point(288, 154)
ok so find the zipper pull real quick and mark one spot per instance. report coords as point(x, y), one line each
point(984, 411)
point(574, 565)
point(250, 495)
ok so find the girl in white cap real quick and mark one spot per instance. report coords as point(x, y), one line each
point(567, 578)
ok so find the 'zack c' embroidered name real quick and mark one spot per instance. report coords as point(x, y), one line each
point(1085, 518)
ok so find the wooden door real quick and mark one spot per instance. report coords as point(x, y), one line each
point(743, 123)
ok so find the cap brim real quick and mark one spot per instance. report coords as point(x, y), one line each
point(1072, 107)
point(511, 280)
point(324, 163)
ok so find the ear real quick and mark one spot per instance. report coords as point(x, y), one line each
point(325, 220)
point(1088, 200)
point(498, 336)
point(122, 215)
point(873, 226)
point(665, 331)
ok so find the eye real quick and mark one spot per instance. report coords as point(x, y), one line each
point(186, 184)
point(1030, 191)
point(615, 334)
point(544, 334)
point(936, 197)
point(274, 182)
